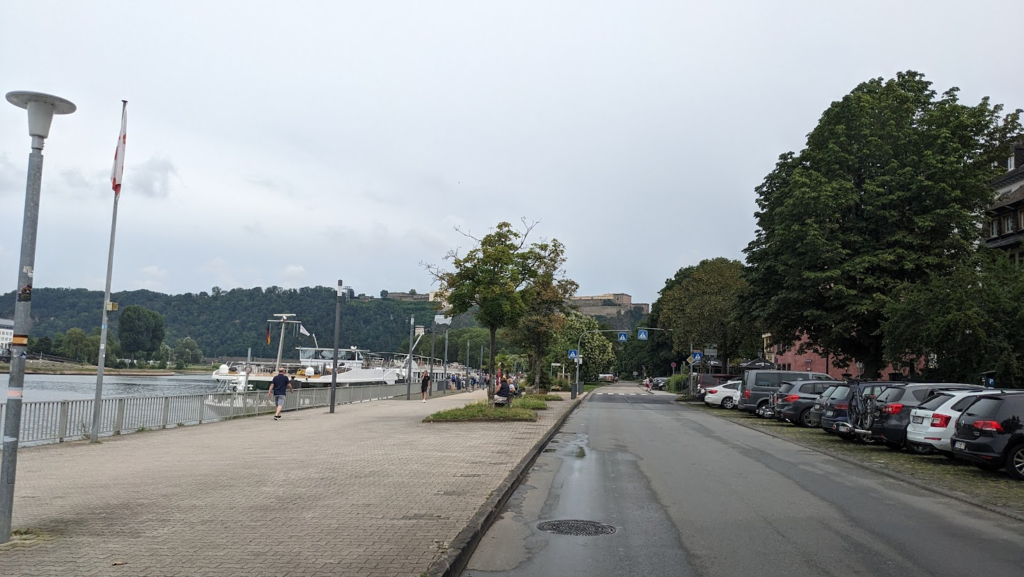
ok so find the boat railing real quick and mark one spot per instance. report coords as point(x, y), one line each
point(45, 422)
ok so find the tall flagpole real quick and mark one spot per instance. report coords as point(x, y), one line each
point(97, 404)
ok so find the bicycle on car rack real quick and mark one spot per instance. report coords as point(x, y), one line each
point(860, 415)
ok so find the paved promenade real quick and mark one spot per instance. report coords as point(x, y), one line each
point(369, 490)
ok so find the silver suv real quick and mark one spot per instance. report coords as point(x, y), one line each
point(757, 386)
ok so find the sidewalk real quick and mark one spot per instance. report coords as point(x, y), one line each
point(369, 490)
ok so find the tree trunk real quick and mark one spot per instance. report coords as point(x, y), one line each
point(491, 367)
point(536, 369)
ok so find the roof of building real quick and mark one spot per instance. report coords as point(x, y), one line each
point(1008, 177)
point(1009, 198)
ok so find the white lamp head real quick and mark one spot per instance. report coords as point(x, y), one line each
point(41, 108)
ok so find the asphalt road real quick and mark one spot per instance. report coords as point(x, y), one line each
point(690, 494)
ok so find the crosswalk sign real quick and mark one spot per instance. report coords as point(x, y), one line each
point(574, 354)
point(641, 335)
point(697, 357)
point(623, 336)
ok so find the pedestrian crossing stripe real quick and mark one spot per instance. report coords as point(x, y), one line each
point(620, 394)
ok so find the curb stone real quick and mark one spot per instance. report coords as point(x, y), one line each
point(453, 561)
point(908, 480)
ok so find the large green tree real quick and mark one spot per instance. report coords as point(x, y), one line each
point(489, 280)
point(961, 323)
point(597, 352)
point(703, 308)
point(890, 189)
point(140, 330)
point(546, 301)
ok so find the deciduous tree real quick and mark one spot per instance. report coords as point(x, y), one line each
point(890, 189)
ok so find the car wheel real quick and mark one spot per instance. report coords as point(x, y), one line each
point(805, 419)
point(1015, 463)
point(727, 403)
point(918, 449)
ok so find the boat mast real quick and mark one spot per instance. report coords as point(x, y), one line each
point(280, 344)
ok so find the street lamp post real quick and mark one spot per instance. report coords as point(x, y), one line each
point(430, 390)
point(576, 388)
point(337, 331)
point(41, 108)
point(408, 372)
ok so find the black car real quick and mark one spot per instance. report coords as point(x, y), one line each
point(837, 407)
point(990, 433)
point(794, 401)
point(818, 408)
point(893, 406)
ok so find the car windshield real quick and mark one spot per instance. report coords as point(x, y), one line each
point(828, 392)
point(785, 388)
point(984, 408)
point(935, 402)
point(731, 385)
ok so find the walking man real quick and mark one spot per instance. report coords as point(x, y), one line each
point(278, 389)
point(425, 386)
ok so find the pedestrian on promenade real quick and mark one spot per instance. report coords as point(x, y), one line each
point(425, 385)
point(278, 389)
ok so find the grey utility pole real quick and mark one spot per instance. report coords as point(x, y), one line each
point(408, 372)
point(446, 357)
point(41, 108)
point(97, 404)
point(337, 331)
point(280, 344)
point(467, 357)
point(430, 390)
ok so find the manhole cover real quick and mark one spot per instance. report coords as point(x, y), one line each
point(576, 527)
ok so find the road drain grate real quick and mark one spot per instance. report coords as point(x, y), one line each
point(576, 528)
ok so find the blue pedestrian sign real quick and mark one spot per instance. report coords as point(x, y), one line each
point(697, 356)
point(573, 354)
point(641, 335)
point(623, 336)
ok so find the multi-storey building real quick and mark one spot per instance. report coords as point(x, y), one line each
point(6, 335)
point(1005, 228)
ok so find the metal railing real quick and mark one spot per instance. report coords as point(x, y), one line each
point(58, 421)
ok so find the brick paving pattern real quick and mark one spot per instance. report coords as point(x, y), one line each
point(370, 490)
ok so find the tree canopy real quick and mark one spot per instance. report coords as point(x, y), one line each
point(890, 189)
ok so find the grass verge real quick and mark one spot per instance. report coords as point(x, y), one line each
point(531, 403)
point(995, 489)
point(481, 411)
point(548, 397)
point(591, 386)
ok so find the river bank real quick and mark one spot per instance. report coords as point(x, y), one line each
point(35, 367)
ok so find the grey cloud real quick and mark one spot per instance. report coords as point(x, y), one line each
point(151, 178)
point(10, 182)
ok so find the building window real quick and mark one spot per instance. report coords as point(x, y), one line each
point(1020, 220)
point(1008, 223)
point(993, 227)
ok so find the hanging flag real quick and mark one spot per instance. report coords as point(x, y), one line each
point(268, 334)
point(303, 330)
point(118, 171)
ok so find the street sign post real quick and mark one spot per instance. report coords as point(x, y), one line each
point(623, 336)
point(641, 335)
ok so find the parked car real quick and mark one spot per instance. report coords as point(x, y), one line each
point(707, 380)
point(893, 406)
point(794, 400)
point(990, 433)
point(838, 405)
point(757, 385)
point(818, 408)
point(723, 395)
point(933, 422)
point(659, 383)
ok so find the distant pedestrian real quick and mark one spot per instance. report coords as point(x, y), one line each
point(425, 386)
point(279, 387)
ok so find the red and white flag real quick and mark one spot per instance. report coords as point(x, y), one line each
point(118, 171)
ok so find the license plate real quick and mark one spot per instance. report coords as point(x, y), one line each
point(829, 413)
point(918, 420)
point(960, 445)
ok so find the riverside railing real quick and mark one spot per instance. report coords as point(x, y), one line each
point(58, 421)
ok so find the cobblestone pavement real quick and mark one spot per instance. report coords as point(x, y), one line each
point(369, 490)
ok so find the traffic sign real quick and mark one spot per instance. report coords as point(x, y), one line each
point(641, 335)
point(696, 356)
point(574, 354)
point(673, 364)
point(623, 336)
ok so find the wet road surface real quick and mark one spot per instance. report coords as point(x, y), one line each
point(690, 494)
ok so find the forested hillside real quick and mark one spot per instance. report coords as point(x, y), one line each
point(225, 323)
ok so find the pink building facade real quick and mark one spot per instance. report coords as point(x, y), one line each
point(789, 359)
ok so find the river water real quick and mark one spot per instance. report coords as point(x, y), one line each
point(71, 387)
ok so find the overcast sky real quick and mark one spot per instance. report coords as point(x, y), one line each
point(296, 143)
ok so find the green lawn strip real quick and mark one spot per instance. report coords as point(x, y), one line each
point(592, 386)
point(531, 403)
point(548, 397)
point(991, 488)
point(481, 411)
